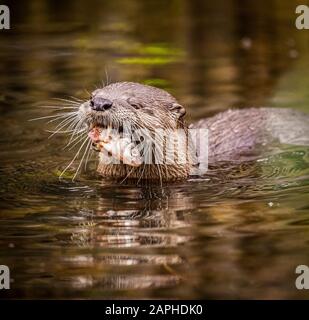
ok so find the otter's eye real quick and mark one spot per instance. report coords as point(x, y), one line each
point(134, 104)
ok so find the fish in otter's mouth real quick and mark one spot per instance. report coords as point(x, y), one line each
point(117, 146)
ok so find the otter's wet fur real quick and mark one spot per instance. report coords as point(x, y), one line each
point(233, 134)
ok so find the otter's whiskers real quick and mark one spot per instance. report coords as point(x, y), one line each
point(70, 123)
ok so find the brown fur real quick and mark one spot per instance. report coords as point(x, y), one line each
point(232, 134)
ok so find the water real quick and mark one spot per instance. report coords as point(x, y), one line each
point(238, 233)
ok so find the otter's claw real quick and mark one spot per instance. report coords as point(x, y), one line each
point(95, 147)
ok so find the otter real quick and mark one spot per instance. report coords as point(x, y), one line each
point(233, 135)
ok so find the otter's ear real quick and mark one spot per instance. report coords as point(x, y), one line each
point(178, 109)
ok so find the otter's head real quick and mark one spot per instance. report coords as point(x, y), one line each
point(131, 107)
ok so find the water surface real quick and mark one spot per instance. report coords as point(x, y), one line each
point(240, 232)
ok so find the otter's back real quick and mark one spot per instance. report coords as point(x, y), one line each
point(244, 132)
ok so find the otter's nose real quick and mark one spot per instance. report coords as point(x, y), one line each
point(100, 104)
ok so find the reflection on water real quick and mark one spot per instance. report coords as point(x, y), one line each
point(237, 233)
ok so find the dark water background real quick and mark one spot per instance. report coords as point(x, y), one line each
point(240, 233)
